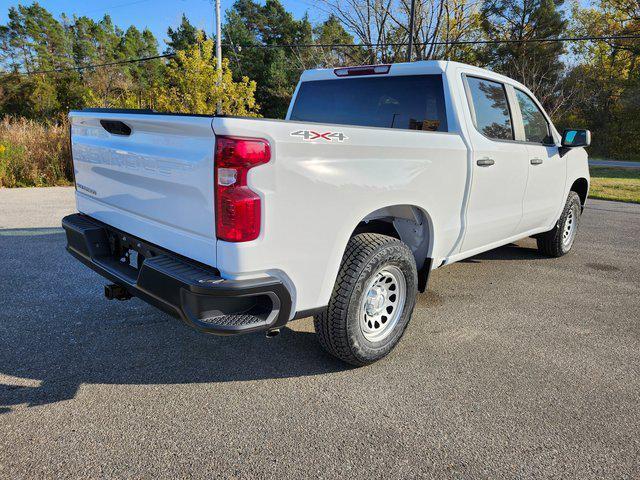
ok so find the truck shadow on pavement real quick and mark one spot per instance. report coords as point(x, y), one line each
point(54, 369)
point(511, 251)
point(57, 332)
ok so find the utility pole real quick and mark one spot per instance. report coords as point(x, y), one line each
point(218, 51)
point(411, 29)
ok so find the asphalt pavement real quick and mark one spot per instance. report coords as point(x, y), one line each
point(514, 366)
point(613, 163)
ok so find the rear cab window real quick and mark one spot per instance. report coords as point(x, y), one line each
point(411, 102)
point(492, 115)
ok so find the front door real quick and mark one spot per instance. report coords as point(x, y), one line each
point(547, 170)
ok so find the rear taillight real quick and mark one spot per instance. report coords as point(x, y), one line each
point(238, 208)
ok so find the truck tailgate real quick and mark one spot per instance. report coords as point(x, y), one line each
point(154, 182)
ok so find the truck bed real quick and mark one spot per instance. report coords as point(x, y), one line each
point(157, 183)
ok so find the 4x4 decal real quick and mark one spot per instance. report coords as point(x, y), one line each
point(311, 135)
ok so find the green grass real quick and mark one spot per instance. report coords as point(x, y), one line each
point(620, 184)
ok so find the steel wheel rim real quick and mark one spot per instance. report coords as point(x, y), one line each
point(382, 303)
point(570, 227)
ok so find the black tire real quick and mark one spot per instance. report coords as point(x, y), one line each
point(338, 328)
point(552, 243)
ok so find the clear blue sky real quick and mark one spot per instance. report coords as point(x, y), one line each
point(155, 14)
point(160, 14)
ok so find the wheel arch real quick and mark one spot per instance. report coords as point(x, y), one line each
point(410, 224)
point(581, 187)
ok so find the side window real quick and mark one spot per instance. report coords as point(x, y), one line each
point(536, 128)
point(493, 117)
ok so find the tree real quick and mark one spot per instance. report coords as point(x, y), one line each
point(462, 22)
point(383, 25)
point(183, 37)
point(609, 78)
point(371, 23)
point(275, 70)
point(98, 43)
point(15, 94)
point(331, 32)
point(191, 85)
point(37, 41)
point(127, 85)
point(142, 76)
point(46, 50)
point(535, 64)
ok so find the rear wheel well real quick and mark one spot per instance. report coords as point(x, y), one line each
point(581, 187)
point(409, 224)
point(381, 226)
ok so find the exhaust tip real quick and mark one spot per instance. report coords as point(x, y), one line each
point(274, 332)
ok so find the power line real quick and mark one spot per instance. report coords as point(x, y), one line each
point(456, 42)
point(98, 65)
point(345, 45)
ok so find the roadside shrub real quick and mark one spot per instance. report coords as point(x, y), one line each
point(34, 154)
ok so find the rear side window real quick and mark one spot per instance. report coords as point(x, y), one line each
point(492, 115)
point(536, 128)
point(413, 102)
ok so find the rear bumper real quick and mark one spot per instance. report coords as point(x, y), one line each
point(194, 293)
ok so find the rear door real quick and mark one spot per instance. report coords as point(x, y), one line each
point(547, 170)
point(500, 165)
point(149, 175)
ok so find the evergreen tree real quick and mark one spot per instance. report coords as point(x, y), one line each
point(536, 64)
point(275, 70)
point(331, 32)
point(183, 37)
point(142, 76)
point(34, 41)
point(37, 39)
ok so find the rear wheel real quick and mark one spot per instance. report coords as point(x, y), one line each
point(372, 300)
point(558, 242)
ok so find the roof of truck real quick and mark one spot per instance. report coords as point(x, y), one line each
point(421, 67)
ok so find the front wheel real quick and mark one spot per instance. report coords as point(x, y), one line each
point(558, 242)
point(372, 300)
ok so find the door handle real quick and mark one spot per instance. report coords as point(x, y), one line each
point(485, 162)
point(536, 161)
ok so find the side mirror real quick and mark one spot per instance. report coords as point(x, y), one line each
point(576, 138)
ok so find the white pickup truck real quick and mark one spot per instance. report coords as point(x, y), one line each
point(378, 175)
